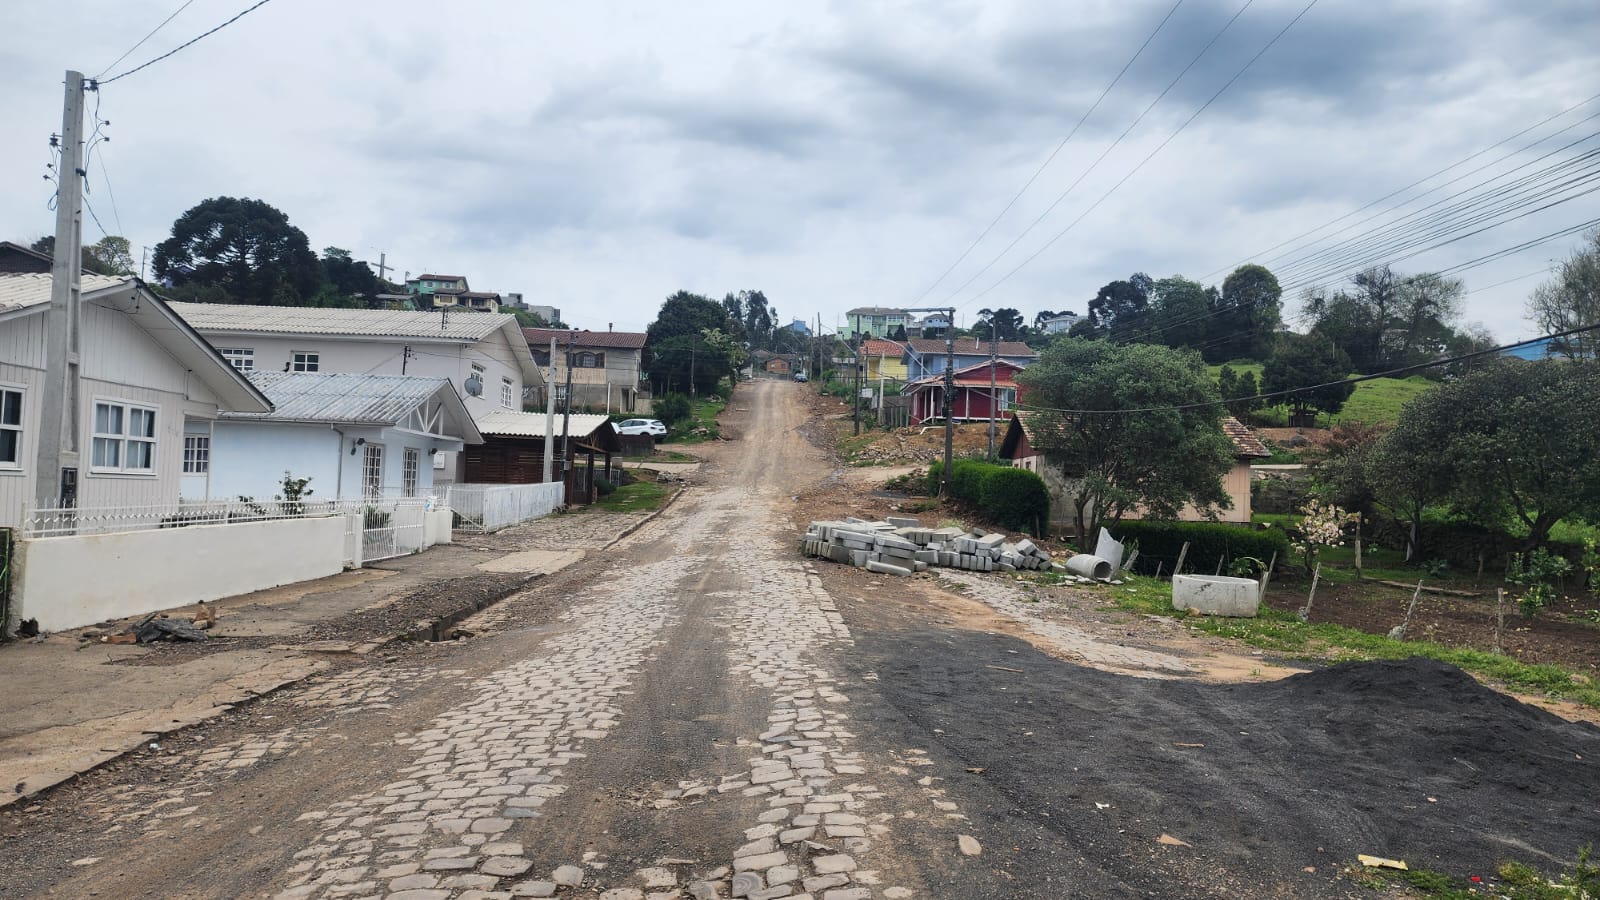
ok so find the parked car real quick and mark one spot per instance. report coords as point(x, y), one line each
point(652, 427)
point(801, 377)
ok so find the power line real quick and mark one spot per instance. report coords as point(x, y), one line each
point(145, 38)
point(186, 44)
point(1357, 379)
point(1203, 107)
point(1042, 166)
point(1425, 178)
point(1103, 154)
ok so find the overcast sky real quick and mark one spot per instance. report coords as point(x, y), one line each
point(599, 156)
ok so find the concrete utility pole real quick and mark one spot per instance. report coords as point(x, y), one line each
point(949, 404)
point(994, 358)
point(56, 478)
point(566, 417)
point(550, 411)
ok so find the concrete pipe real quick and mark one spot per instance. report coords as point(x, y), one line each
point(1089, 567)
point(1216, 595)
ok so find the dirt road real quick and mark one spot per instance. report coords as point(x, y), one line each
point(701, 713)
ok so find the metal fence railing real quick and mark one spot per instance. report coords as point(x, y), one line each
point(66, 521)
point(490, 507)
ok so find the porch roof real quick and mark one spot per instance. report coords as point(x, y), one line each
point(372, 400)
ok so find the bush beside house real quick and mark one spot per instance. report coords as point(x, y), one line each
point(1008, 497)
point(1209, 543)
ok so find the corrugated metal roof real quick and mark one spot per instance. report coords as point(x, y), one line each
point(341, 399)
point(466, 326)
point(539, 338)
point(19, 290)
point(526, 424)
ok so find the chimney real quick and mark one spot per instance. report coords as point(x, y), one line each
point(608, 327)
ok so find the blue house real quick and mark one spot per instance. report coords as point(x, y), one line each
point(926, 356)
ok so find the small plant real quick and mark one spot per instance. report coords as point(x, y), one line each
point(373, 518)
point(1437, 568)
point(912, 484)
point(1246, 567)
point(1535, 572)
point(292, 493)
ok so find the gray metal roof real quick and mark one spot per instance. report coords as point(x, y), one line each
point(231, 318)
point(20, 290)
point(342, 399)
point(531, 424)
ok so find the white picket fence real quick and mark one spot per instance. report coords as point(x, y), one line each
point(484, 508)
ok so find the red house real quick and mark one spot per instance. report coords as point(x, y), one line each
point(970, 401)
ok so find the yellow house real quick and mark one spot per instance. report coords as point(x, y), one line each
point(885, 359)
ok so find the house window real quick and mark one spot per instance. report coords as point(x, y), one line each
point(411, 462)
point(10, 428)
point(587, 360)
point(241, 358)
point(372, 471)
point(508, 394)
point(561, 393)
point(304, 361)
point(196, 454)
point(124, 438)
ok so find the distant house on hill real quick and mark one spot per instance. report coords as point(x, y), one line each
point(16, 259)
point(973, 398)
point(606, 367)
point(926, 356)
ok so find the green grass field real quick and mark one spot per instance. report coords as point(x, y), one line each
point(641, 496)
point(1375, 402)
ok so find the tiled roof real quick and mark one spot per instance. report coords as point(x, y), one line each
point(341, 399)
point(880, 347)
point(526, 424)
point(970, 347)
point(1245, 442)
point(225, 317)
point(29, 289)
point(539, 338)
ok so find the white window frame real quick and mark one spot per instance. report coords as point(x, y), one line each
point(372, 465)
point(305, 360)
point(20, 429)
point(197, 454)
point(410, 469)
point(508, 393)
point(122, 438)
point(241, 358)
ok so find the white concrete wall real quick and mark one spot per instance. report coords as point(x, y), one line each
point(70, 582)
point(248, 459)
point(437, 526)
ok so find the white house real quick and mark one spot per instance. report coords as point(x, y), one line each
point(483, 355)
point(146, 380)
point(352, 435)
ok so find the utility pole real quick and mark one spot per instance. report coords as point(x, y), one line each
point(691, 372)
point(856, 354)
point(994, 359)
point(566, 418)
point(949, 401)
point(550, 411)
point(56, 478)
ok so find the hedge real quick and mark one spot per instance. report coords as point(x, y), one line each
point(1209, 542)
point(1009, 497)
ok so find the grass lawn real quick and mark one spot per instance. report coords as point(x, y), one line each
point(702, 414)
point(639, 496)
point(663, 455)
point(1282, 633)
point(1375, 402)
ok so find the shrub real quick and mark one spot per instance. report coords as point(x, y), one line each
point(604, 486)
point(1209, 543)
point(1014, 498)
point(1008, 497)
point(672, 409)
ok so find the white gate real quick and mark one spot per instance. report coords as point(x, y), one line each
point(383, 529)
point(490, 507)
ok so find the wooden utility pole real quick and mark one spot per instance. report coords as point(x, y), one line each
point(56, 469)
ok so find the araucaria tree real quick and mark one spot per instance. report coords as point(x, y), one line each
point(238, 250)
point(1122, 445)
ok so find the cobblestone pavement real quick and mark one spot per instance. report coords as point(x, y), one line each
point(1074, 643)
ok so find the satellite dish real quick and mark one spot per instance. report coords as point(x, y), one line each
point(474, 385)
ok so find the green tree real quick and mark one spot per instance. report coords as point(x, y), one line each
point(1005, 324)
point(1304, 361)
point(111, 255)
point(1570, 300)
point(1249, 312)
point(244, 248)
point(1180, 313)
point(1116, 452)
point(349, 277)
point(675, 350)
point(1404, 472)
point(1118, 308)
point(1522, 439)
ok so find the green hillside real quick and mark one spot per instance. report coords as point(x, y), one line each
point(1377, 402)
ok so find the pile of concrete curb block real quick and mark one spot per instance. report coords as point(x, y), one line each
point(901, 546)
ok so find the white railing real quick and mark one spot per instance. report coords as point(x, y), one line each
point(82, 520)
point(491, 507)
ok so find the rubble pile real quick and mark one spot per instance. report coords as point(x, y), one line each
point(901, 546)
